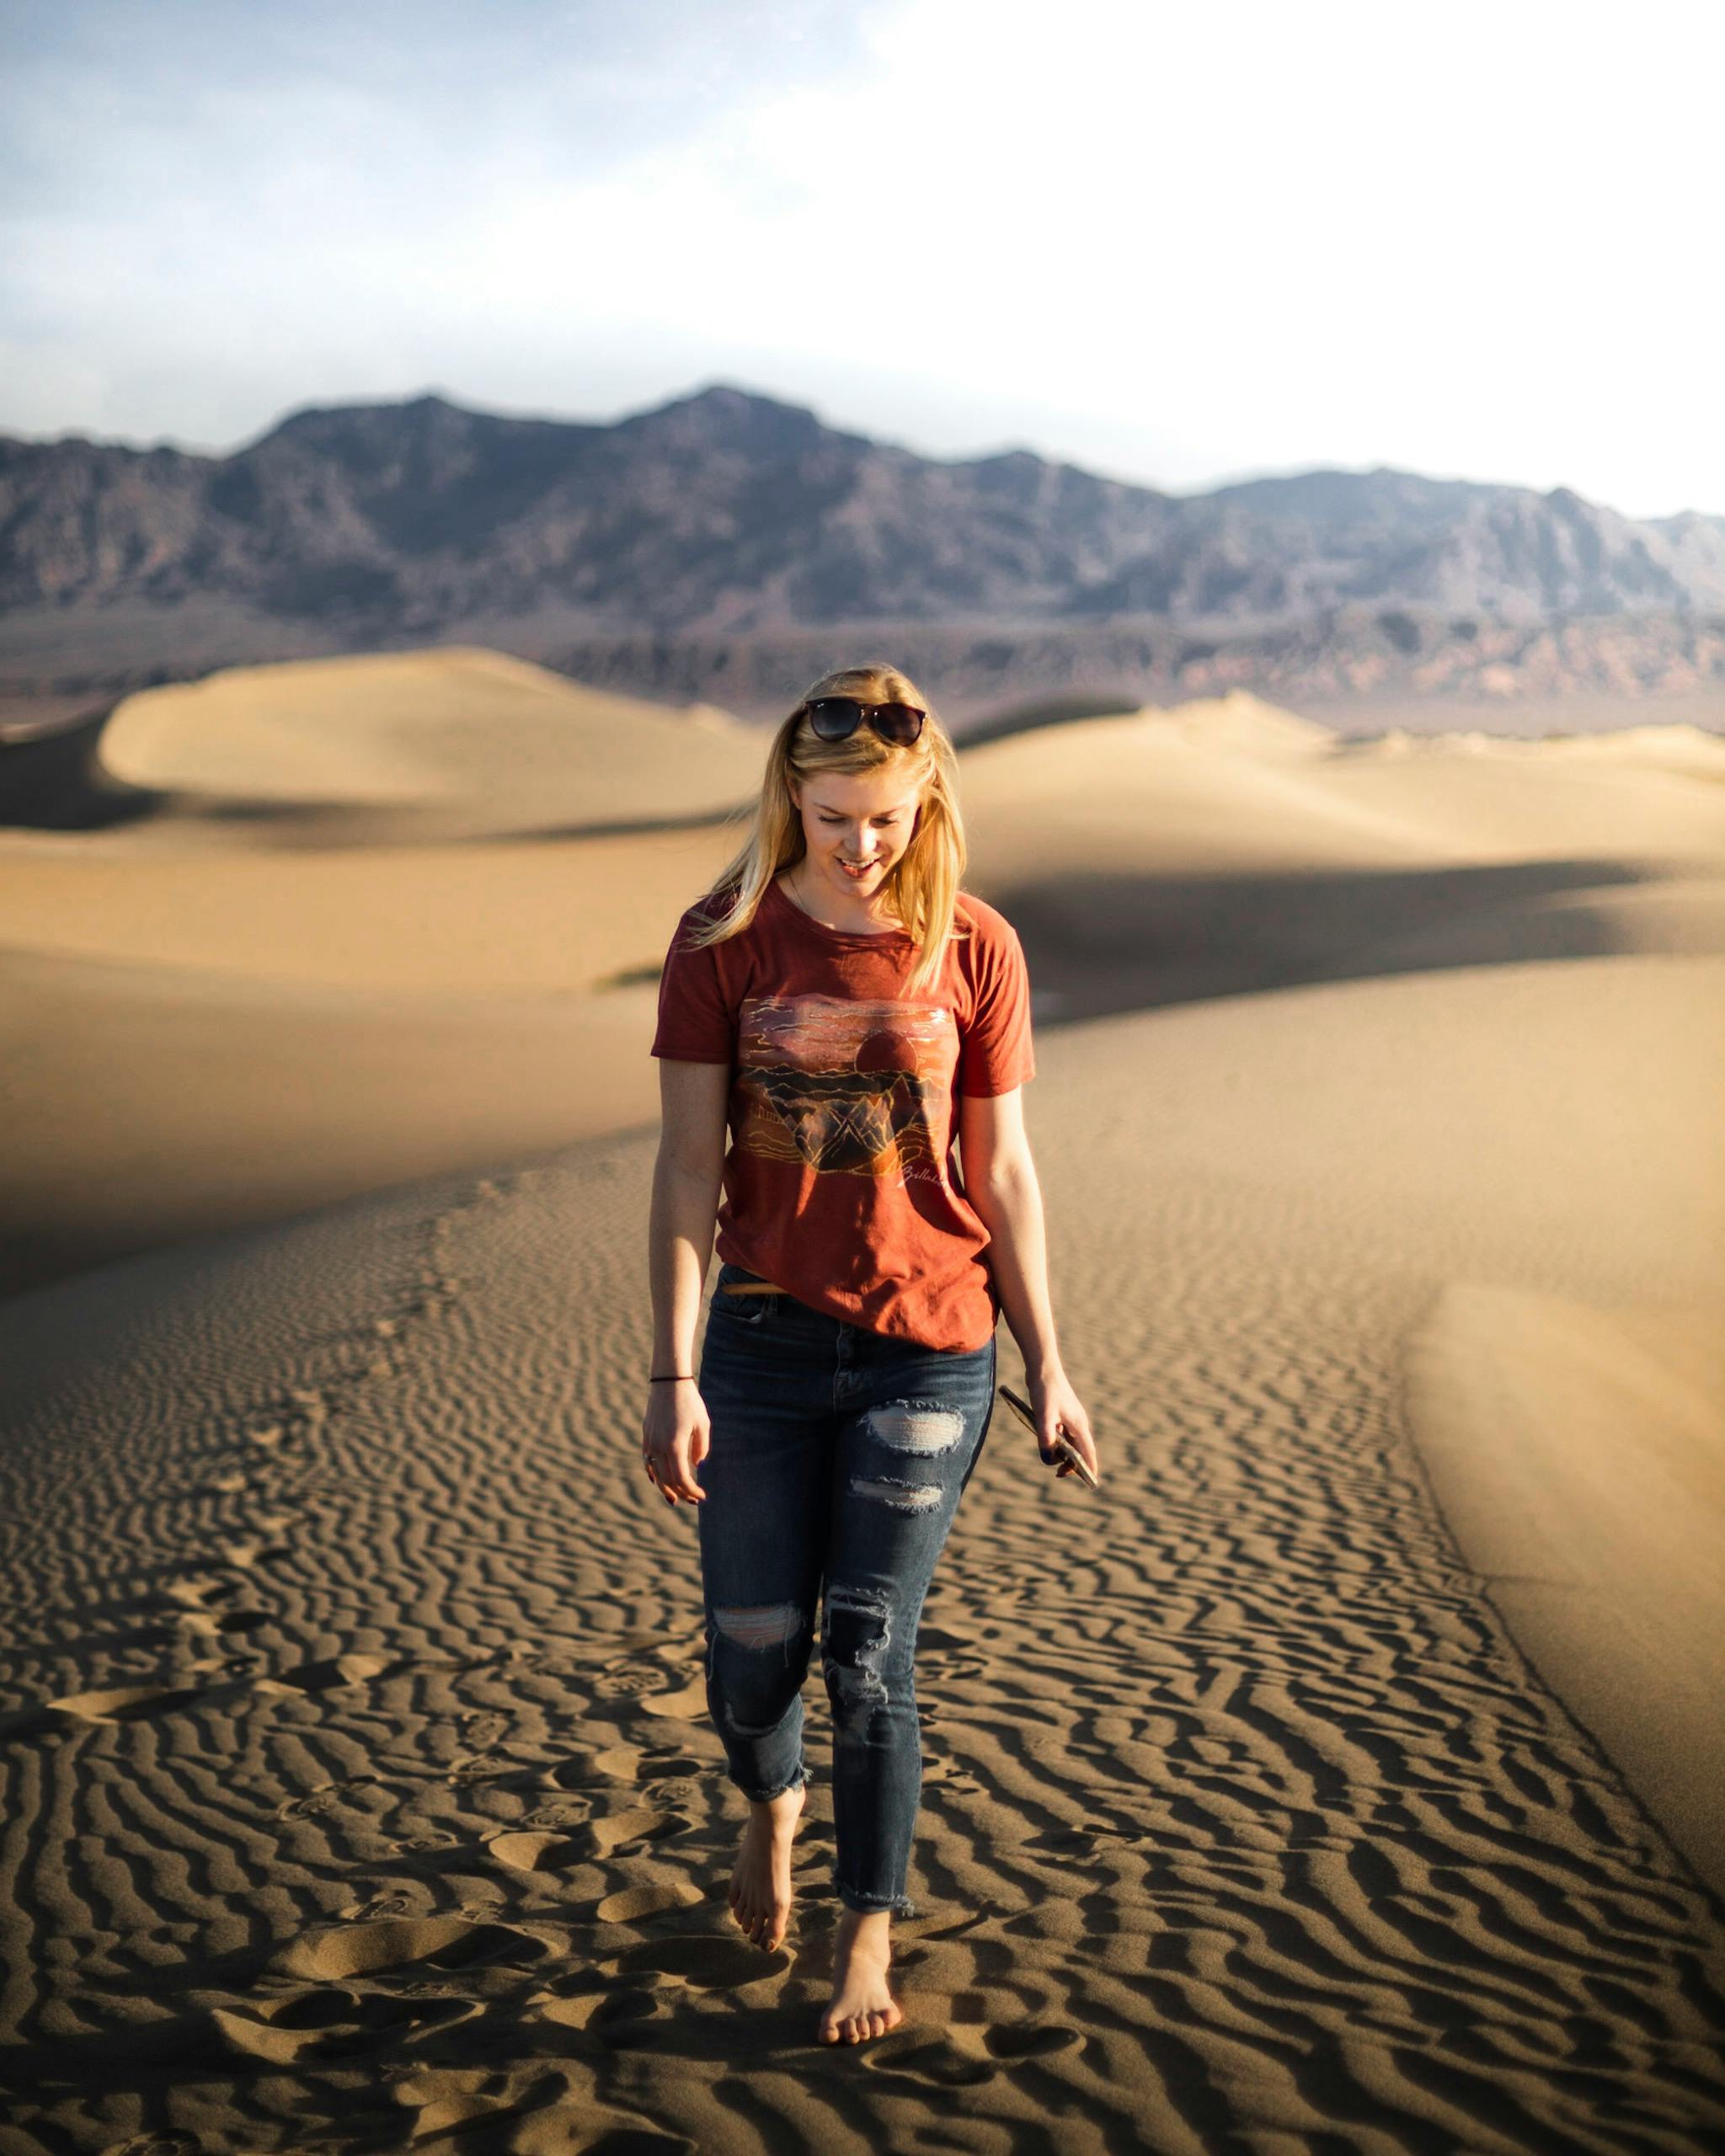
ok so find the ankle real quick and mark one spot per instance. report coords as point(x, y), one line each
point(775, 1811)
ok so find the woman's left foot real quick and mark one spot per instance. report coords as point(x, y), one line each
point(861, 2006)
point(760, 1886)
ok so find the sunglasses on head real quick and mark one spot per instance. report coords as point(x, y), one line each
point(836, 718)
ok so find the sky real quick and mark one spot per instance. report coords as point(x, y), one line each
point(1175, 243)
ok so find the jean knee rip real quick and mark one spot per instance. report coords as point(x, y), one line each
point(769, 1625)
point(858, 1628)
point(922, 1426)
point(903, 1496)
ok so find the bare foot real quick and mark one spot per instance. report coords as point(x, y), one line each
point(760, 1885)
point(861, 2005)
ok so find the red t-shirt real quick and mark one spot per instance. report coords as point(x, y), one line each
point(840, 1184)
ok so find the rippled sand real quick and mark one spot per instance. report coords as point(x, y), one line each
point(1336, 1777)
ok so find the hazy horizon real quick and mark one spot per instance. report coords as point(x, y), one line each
point(626, 411)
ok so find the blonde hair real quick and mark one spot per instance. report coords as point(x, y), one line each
point(923, 887)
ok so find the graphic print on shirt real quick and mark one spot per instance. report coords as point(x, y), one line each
point(847, 1088)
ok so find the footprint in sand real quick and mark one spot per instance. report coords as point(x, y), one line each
point(618, 1763)
point(634, 1904)
point(574, 1811)
point(381, 1904)
point(484, 1728)
point(1029, 2040)
point(686, 1702)
point(583, 1841)
point(200, 1592)
point(676, 1796)
point(205, 1625)
point(126, 1703)
point(613, 2016)
point(247, 1554)
point(324, 1676)
point(482, 1766)
point(338, 1951)
point(328, 1796)
point(922, 2062)
point(534, 1850)
point(629, 1682)
point(334, 2024)
point(717, 1964)
point(1070, 1845)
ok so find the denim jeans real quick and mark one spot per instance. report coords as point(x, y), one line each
point(836, 1461)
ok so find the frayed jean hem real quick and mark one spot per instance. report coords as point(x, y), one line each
point(866, 1905)
point(799, 1780)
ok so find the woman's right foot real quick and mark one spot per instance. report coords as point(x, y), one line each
point(760, 1885)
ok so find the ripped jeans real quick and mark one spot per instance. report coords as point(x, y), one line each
point(837, 1462)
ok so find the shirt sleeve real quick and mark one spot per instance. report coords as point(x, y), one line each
point(695, 1023)
point(996, 1053)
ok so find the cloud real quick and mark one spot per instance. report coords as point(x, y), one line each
point(1169, 241)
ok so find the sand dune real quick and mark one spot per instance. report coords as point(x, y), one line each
point(1346, 1774)
point(1235, 785)
point(1580, 1454)
point(1148, 858)
point(468, 738)
point(356, 1758)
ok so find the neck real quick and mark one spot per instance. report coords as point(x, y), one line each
point(797, 885)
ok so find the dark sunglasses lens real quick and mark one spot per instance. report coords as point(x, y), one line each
point(898, 722)
point(832, 717)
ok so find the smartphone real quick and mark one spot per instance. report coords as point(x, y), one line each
point(1026, 1415)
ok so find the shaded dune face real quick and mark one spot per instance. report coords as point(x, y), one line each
point(858, 1088)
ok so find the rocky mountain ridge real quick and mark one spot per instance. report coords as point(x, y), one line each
point(724, 519)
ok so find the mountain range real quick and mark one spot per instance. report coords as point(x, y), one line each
point(715, 541)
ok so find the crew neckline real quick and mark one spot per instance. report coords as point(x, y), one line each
point(874, 935)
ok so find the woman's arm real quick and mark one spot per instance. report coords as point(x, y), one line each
point(1000, 1183)
point(686, 1180)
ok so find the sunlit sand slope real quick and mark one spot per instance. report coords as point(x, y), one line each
point(463, 732)
point(357, 1770)
point(1579, 1455)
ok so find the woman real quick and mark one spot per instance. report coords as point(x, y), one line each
point(850, 1013)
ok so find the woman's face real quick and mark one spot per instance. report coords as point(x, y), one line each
point(857, 828)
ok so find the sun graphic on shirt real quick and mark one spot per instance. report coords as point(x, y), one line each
point(844, 1086)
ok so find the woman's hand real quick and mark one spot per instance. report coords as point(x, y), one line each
point(675, 1432)
point(1059, 1414)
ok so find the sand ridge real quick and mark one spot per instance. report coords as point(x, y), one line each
point(488, 739)
point(307, 1001)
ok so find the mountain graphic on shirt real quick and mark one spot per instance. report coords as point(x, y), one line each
point(846, 1087)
